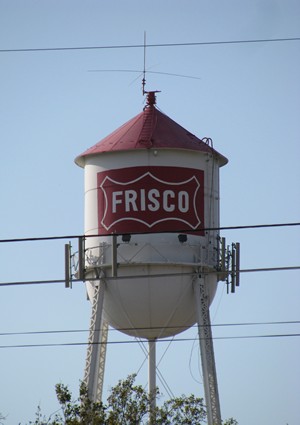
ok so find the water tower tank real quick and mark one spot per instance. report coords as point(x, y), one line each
point(155, 186)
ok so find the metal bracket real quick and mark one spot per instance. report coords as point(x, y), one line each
point(68, 271)
point(75, 262)
point(229, 264)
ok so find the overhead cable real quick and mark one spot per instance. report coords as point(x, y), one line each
point(152, 276)
point(139, 46)
point(287, 322)
point(242, 227)
point(78, 344)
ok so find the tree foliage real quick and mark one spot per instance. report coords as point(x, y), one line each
point(127, 404)
point(181, 410)
point(2, 418)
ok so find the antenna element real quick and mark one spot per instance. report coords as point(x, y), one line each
point(144, 68)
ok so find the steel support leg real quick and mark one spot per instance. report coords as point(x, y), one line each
point(96, 352)
point(207, 353)
point(152, 379)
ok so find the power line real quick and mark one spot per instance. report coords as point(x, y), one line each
point(78, 344)
point(152, 276)
point(242, 227)
point(139, 46)
point(288, 322)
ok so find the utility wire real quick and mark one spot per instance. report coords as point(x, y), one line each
point(72, 344)
point(288, 322)
point(139, 46)
point(242, 227)
point(152, 276)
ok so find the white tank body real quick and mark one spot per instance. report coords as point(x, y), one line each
point(152, 295)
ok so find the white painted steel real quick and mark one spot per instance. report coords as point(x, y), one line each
point(96, 352)
point(152, 307)
point(207, 352)
point(152, 379)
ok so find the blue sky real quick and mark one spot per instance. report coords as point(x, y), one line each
point(52, 109)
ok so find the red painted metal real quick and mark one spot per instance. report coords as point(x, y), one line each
point(150, 199)
point(150, 129)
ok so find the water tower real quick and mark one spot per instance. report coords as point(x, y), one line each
point(151, 252)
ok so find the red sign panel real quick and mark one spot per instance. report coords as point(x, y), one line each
point(150, 199)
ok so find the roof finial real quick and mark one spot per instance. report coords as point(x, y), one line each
point(151, 98)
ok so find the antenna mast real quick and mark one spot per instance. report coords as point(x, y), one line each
point(144, 67)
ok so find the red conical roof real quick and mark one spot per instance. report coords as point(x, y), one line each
point(149, 129)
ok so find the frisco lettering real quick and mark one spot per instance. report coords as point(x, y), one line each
point(150, 200)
